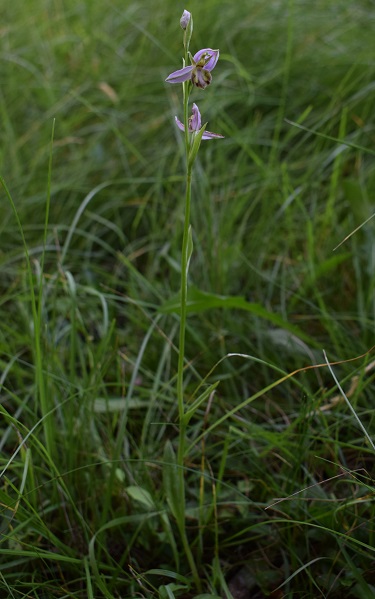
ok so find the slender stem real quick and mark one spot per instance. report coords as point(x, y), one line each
point(183, 299)
point(181, 349)
point(186, 90)
point(183, 284)
point(180, 376)
point(191, 561)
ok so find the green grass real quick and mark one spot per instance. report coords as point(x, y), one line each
point(278, 471)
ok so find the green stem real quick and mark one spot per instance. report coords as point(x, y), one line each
point(181, 349)
point(183, 300)
point(186, 92)
point(191, 561)
point(183, 285)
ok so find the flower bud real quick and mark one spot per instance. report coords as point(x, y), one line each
point(184, 21)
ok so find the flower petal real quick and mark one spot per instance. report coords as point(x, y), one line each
point(209, 135)
point(180, 76)
point(211, 62)
point(195, 119)
point(179, 124)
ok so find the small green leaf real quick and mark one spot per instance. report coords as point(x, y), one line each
point(199, 301)
point(195, 405)
point(331, 264)
point(120, 475)
point(104, 405)
point(169, 574)
point(141, 495)
point(167, 591)
point(197, 138)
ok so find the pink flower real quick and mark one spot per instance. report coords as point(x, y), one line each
point(199, 72)
point(195, 124)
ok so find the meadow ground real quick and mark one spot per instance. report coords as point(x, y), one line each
point(278, 461)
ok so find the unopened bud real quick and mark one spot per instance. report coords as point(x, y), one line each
point(184, 21)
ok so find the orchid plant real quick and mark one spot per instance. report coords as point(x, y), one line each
point(198, 74)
